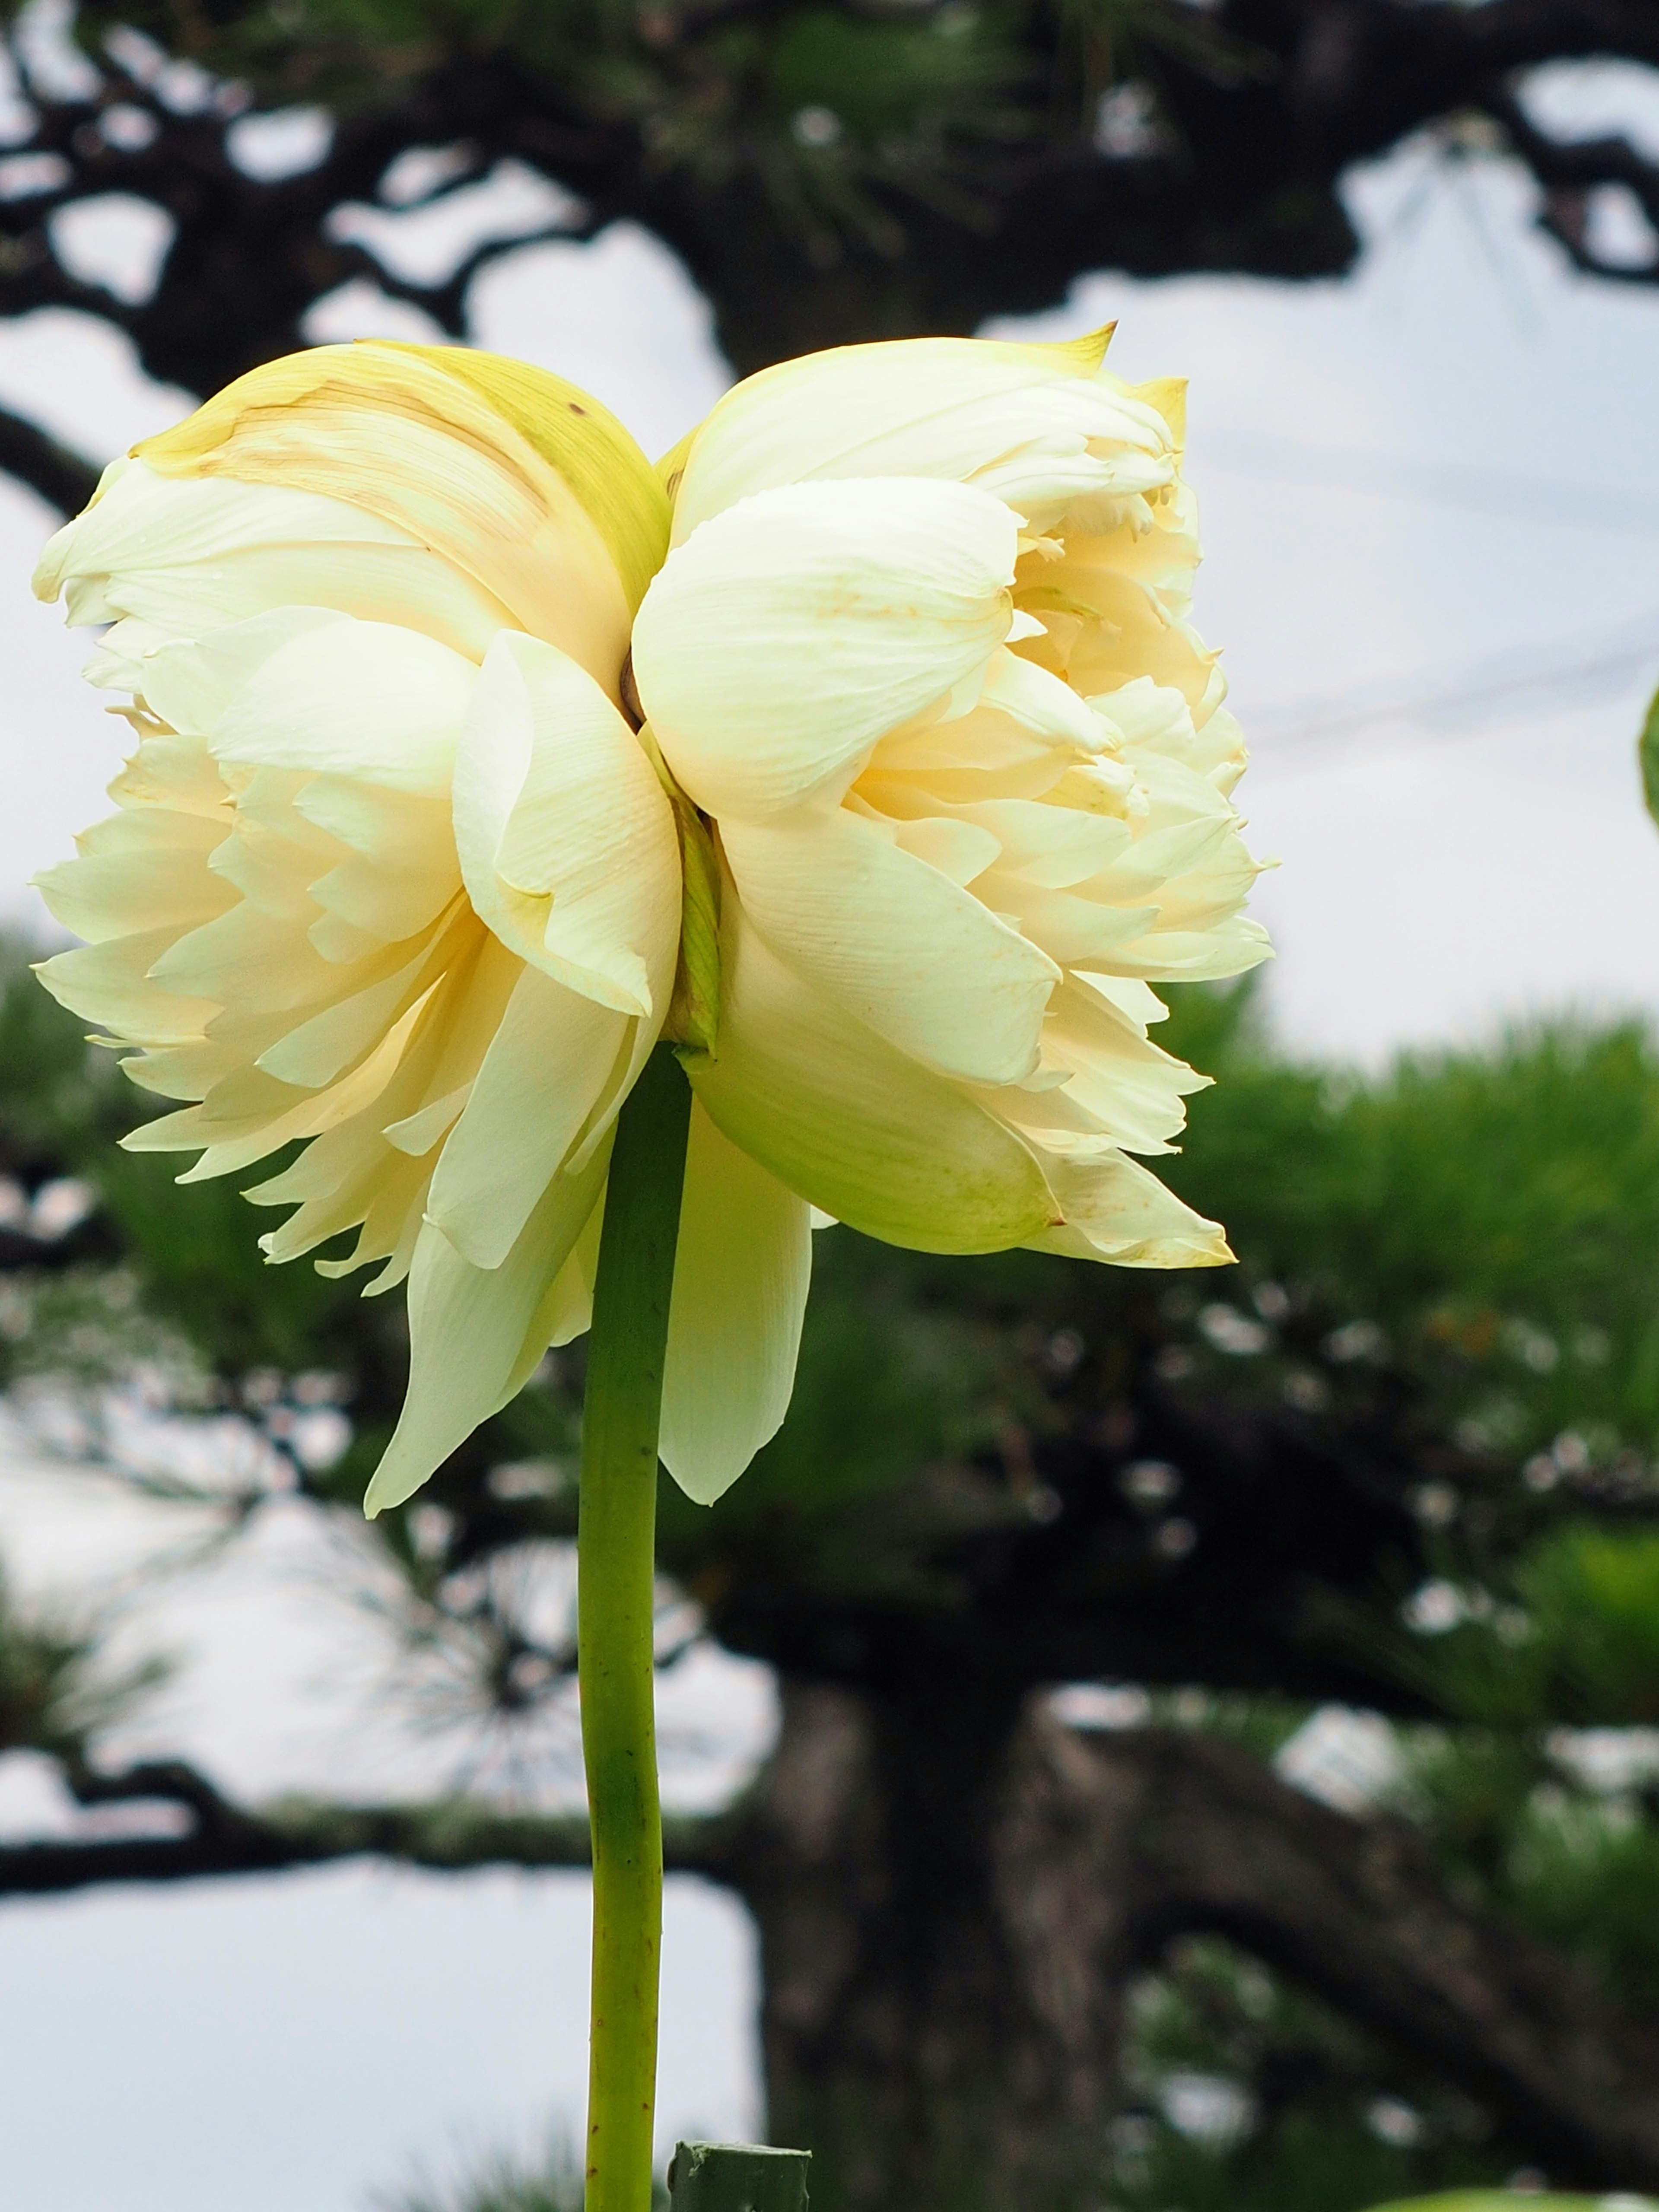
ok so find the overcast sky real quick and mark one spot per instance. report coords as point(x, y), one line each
point(1430, 499)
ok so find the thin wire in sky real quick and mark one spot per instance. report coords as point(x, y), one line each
point(1469, 694)
point(1551, 502)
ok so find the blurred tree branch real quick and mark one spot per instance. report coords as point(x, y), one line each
point(827, 171)
point(1104, 1850)
point(60, 477)
point(1361, 1912)
point(226, 1838)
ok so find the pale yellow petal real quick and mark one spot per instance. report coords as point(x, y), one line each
point(112, 984)
point(165, 882)
point(1117, 1083)
point(411, 874)
point(741, 1272)
point(190, 684)
point(792, 631)
point(1117, 1210)
point(476, 1333)
point(541, 1078)
point(566, 837)
point(893, 941)
point(435, 443)
point(173, 559)
point(364, 699)
point(851, 1125)
point(316, 1052)
point(1045, 422)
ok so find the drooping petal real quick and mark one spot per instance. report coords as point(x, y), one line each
point(790, 633)
point(540, 1080)
point(566, 837)
point(476, 1333)
point(850, 1124)
point(1116, 1210)
point(741, 1272)
point(895, 941)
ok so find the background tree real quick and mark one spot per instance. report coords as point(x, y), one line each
point(1401, 1463)
point(826, 169)
point(1401, 1460)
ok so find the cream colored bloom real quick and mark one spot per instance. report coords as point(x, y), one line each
point(920, 652)
point(391, 871)
point(394, 874)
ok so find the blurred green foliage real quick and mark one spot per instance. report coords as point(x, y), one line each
point(1496, 1210)
point(1471, 1235)
point(1253, 2098)
point(833, 116)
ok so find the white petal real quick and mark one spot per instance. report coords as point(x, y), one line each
point(187, 555)
point(894, 942)
point(364, 699)
point(1117, 1210)
point(566, 837)
point(546, 1067)
point(190, 685)
point(476, 1333)
point(854, 1126)
point(741, 1272)
point(946, 408)
point(789, 633)
point(140, 518)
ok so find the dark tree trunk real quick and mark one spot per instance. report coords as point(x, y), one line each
point(942, 1946)
point(953, 1898)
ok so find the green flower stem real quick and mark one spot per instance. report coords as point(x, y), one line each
point(615, 1564)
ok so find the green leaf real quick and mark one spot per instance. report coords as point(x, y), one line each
point(1647, 751)
point(1499, 2200)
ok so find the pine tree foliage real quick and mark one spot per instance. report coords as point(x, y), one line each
point(1403, 1456)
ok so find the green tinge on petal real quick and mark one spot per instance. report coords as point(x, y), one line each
point(852, 1126)
point(893, 941)
point(741, 1272)
point(585, 442)
point(695, 1008)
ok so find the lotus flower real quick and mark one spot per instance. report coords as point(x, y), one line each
point(886, 792)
